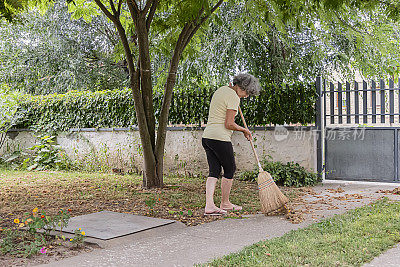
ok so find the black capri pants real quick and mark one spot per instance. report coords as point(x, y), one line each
point(219, 154)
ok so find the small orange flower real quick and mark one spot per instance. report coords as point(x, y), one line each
point(69, 210)
point(16, 220)
point(83, 233)
point(42, 216)
point(35, 210)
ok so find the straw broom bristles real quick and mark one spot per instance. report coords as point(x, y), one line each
point(271, 197)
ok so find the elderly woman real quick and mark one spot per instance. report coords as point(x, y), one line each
point(216, 139)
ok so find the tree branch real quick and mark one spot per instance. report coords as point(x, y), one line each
point(105, 11)
point(216, 6)
point(151, 14)
point(133, 4)
point(198, 16)
point(212, 11)
point(107, 32)
point(133, 9)
point(135, 79)
point(350, 26)
point(148, 5)
point(113, 7)
point(202, 20)
point(186, 34)
point(119, 7)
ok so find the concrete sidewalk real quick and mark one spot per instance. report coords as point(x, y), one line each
point(390, 258)
point(178, 245)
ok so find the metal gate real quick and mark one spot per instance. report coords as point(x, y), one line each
point(358, 126)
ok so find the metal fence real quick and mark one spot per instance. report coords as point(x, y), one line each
point(361, 103)
point(358, 126)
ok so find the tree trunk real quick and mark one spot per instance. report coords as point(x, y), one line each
point(141, 83)
point(149, 169)
point(168, 88)
point(152, 177)
point(184, 38)
point(145, 76)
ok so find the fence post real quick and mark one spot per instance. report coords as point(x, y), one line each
point(396, 154)
point(319, 123)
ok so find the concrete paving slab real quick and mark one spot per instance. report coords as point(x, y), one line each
point(108, 224)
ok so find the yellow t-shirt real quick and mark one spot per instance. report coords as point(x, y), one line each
point(223, 99)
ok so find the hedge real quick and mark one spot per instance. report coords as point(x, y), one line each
point(107, 109)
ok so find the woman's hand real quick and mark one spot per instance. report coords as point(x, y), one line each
point(247, 134)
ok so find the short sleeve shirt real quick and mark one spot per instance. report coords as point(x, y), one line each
point(223, 99)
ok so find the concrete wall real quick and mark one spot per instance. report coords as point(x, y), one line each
point(121, 148)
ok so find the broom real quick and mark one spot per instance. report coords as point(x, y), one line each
point(270, 196)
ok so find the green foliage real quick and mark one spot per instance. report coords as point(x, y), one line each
point(32, 241)
point(46, 155)
point(8, 107)
point(8, 111)
point(79, 237)
point(9, 8)
point(50, 53)
point(289, 174)
point(291, 41)
point(20, 243)
point(280, 41)
point(352, 34)
point(38, 220)
point(151, 201)
point(61, 112)
point(281, 104)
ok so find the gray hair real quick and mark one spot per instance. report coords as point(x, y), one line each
point(248, 83)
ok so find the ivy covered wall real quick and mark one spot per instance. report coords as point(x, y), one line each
point(77, 109)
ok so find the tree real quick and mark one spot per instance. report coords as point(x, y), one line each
point(359, 34)
point(295, 40)
point(135, 22)
point(50, 53)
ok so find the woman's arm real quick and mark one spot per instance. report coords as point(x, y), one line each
point(231, 125)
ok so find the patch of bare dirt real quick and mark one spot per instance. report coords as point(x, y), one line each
point(53, 253)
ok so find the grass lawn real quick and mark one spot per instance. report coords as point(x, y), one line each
point(182, 199)
point(351, 239)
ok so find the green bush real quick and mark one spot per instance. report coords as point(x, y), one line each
point(108, 109)
point(289, 174)
point(45, 155)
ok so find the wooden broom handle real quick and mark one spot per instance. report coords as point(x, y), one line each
point(251, 141)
